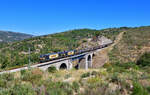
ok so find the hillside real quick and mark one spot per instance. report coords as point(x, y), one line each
point(16, 54)
point(134, 43)
point(8, 36)
point(113, 78)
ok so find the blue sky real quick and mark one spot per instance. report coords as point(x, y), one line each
point(39, 17)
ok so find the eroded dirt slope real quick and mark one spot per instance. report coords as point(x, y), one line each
point(102, 56)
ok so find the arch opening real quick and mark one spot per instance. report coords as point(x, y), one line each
point(89, 59)
point(63, 66)
point(93, 55)
point(77, 67)
point(81, 63)
point(80, 59)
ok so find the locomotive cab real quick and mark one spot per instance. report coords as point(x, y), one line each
point(42, 58)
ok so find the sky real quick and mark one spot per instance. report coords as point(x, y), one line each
point(41, 17)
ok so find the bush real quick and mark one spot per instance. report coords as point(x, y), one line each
point(85, 75)
point(5, 92)
point(144, 60)
point(23, 72)
point(26, 76)
point(97, 89)
point(67, 76)
point(94, 73)
point(138, 89)
point(114, 77)
point(75, 86)
point(7, 76)
point(148, 89)
point(59, 88)
point(23, 89)
point(32, 76)
point(36, 75)
point(18, 89)
point(3, 83)
point(94, 80)
point(124, 67)
point(52, 69)
point(129, 65)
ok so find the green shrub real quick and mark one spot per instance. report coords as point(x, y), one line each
point(18, 89)
point(7, 76)
point(114, 77)
point(138, 89)
point(75, 86)
point(148, 89)
point(84, 41)
point(129, 65)
point(94, 82)
point(85, 75)
point(36, 75)
point(97, 89)
point(67, 76)
point(94, 73)
point(59, 88)
point(23, 89)
point(5, 92)
point(26, 76)
point(3, 83)
point(144, 60)
point(122, 67)
point(109, 69)
point(23, 72)
point(52, 69)
point(32, 76)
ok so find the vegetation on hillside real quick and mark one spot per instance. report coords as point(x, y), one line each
point(144, 60)
point(16, 54)
point(112, 79)
point(135, 42)
point(8, 36)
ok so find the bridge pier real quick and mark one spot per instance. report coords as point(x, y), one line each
point(86, 62)
point(70, 66)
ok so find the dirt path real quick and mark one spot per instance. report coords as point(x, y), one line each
point(102, 56)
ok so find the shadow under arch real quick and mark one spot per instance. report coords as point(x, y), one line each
point(63, 66)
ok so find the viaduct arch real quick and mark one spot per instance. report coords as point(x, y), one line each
point(63, 66)
point(84, 62)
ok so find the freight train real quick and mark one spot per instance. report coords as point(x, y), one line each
point(58, 55)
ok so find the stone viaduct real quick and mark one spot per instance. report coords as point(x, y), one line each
point(83, 61)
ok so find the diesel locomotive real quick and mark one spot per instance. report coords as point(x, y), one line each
point(58, 55)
